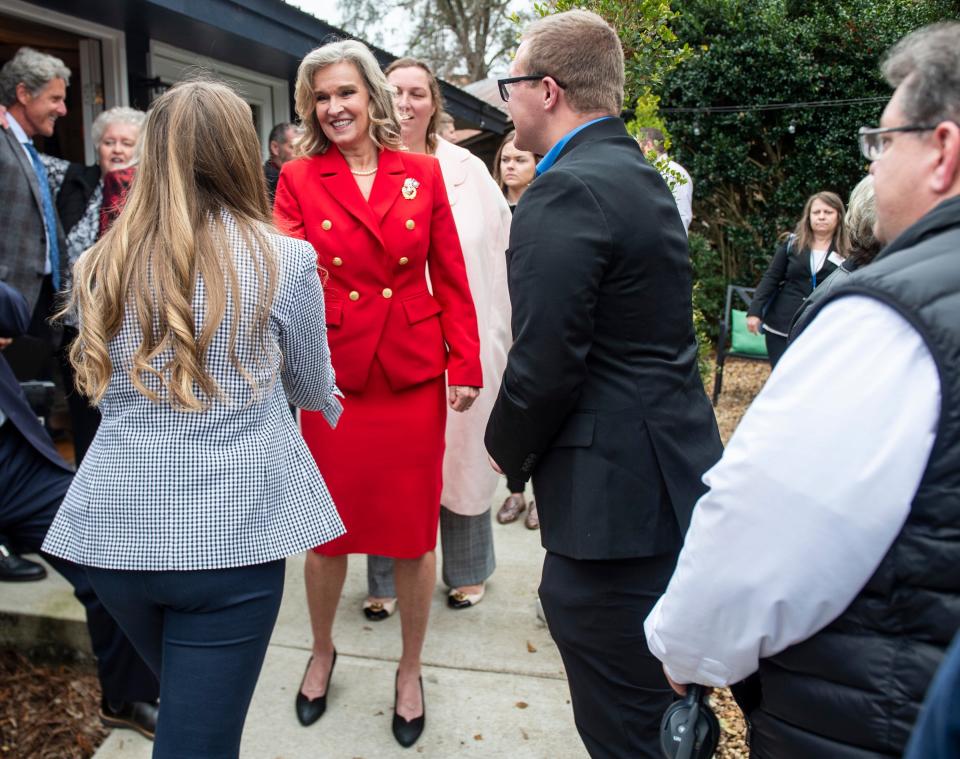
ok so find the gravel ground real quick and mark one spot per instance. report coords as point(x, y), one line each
point(51, 711)
point(742, 380)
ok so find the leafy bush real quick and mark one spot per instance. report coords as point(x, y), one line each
point(751, 172)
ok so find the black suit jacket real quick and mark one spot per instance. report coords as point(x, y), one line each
point(785, 285)
point(14, 321)
point(601, 400)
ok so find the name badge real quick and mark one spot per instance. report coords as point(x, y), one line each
point(835, 258)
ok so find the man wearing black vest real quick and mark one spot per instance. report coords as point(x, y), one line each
point(826, 554)
point(601, 400)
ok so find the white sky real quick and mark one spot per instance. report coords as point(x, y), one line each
point(393, 28)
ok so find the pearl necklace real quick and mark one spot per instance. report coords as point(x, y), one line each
point(369, 173)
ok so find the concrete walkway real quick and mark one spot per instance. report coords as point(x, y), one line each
point(493, 679)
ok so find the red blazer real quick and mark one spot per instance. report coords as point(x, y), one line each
point(376, 254)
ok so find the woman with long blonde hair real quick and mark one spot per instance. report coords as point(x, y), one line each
point(197, 323)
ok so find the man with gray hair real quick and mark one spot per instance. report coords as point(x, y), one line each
point(826, 555)
point(601, 401)
point(33, 251)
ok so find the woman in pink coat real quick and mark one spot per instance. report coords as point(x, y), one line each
point(482, 217)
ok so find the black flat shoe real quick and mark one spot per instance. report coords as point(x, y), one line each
point(408, 731)
point(309, 710)
point(15, 568)
point(377, 611)
point(133, 715)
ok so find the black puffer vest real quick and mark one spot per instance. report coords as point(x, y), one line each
point(854, 689)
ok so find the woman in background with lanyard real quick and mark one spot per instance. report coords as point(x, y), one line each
point(803, 260)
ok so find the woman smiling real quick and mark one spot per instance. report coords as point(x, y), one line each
point(379, 218)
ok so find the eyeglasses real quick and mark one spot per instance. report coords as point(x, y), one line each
point(873, 141)
point(503, 84)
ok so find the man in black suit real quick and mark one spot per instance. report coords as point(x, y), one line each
point(33, 482)
point(601, 400)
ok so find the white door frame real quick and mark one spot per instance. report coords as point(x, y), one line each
point(112, 44)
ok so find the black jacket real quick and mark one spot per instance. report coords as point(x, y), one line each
point(14, 321)
point(78, 186)
point(601, 400)
point(785, 285)
point(271, 175)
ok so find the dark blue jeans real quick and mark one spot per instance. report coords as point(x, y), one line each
point(204, 633)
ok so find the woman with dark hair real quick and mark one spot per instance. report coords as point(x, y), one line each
point(403, 350)
point(513, 171)
point(803, 260)
point(861, 222)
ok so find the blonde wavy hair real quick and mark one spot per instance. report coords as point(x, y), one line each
point(200, 157)
point(384, 122)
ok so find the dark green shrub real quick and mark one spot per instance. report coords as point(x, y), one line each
point(751, 173)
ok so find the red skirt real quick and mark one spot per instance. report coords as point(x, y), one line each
point(383, 465)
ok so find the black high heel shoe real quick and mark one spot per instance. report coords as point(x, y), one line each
point(309, 710)
point(408, 731)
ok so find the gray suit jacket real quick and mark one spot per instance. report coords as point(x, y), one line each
point(23, 241)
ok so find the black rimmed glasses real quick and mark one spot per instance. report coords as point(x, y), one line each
point(504, 84)
point(874, 140)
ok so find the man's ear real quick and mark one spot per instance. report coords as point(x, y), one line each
point(23, 94)
point(551, 93)
point(945, 179)
point(274, 149)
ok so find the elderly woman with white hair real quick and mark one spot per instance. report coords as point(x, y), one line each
point(79, 194)
point(78, 191)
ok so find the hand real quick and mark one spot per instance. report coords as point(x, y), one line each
point(4, 342)
point(753, 324)
point(680, 689)
point(494, 465)
point(462, 397)
point(3, 117)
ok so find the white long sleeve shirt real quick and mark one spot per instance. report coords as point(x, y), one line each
point(811, 491)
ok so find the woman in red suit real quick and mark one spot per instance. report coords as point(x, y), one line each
point(379, 219)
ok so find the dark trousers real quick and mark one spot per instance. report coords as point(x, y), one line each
point(516, 486)
point(937, 732)
point(206, 631)
point(595, 612)
point(32, 356)
point(84, 418)
point(776, 346)
point(31, 489)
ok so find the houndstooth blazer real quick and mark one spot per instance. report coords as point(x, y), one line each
point(235, 485)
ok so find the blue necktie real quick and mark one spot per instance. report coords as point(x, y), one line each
point(49, 215)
